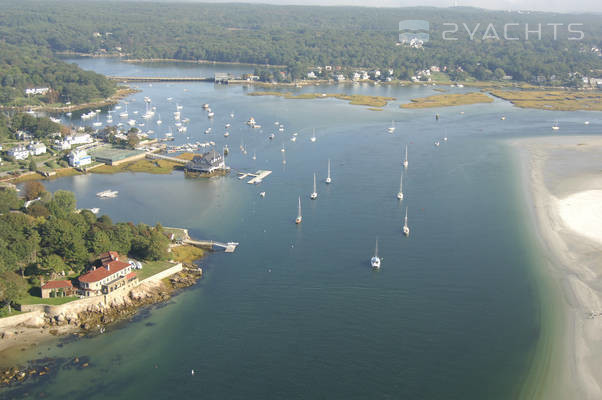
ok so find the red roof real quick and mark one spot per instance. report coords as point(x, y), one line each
point(130, 275)
point(109, 256)
point(101, 273)
point(57, 285)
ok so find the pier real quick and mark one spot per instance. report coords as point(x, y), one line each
point(212, 244)
point(258, 176)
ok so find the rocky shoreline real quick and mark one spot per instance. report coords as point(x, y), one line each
point(90, 322)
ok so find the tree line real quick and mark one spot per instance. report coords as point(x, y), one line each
point(303, 37)
point(51, 237)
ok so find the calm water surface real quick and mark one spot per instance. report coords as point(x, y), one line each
point(296, 312)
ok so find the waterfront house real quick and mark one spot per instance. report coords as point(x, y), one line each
point(79, 139)
point(340, 77)
point(57, 289)
point(36, 91)
point(79, 158)
point(207, 163)
point(61, 145)
point(311, 75)
point(19, 152)
point(112, 275)
point(36, 149)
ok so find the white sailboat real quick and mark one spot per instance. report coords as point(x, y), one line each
point(391, 129)
point(313, 136)
point(97, 123)
point(124, 114)
point(299, 216)
point(555, 127)
point(159, 122)
point(405, 161)
point(375, 260)
point(314, 194)
point(328, 179)
point(400, 193)
point(406, 229)
point(254, 156)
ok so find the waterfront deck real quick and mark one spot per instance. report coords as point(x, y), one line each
point(181, 235)
point(258, 176)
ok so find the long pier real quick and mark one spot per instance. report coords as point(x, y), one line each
point(228, 247)
point(160, 79)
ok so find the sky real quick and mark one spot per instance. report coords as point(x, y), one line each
point(564, 6)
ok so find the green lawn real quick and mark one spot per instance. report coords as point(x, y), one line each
point(152, 267)
point(53, 301)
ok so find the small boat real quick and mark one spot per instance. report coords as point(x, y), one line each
point(586, 122)
point(124, 114)
point(169, 98)
point(251, 121)
point(299, 216)
point(391, 129)
point(328, 179)
point(294, 139)
point(437, 117)
point(55, 120)
point(136, 112)
point(69, 114)
point(205, 106)
point(226, 150)
point(227, 126)
point(159, 122)
point(400, 193)
point(277, 123)
point(95, 210)
point(232, 115)
point(314, 194)
point(272, 136)
point(281, 129)
point(118, 107)
point(405, 161)
point(207, 131)
point(406, 229)
point(132, 122)
point(313, 137)
point(257, 126)
point(437, 143)
point(262, 194)
point(226, 134)
point(210, 115)
point(375, 260)
point(178, 107)
point(107, 194)
point(283, 149)
point(503, 118)
point(555, 126)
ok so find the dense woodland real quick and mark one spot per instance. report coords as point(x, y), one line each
point(303, 37)
point(26, 65)
point(51, 237)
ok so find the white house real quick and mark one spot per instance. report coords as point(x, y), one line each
point(19, 152)
point(340, 77)
point(34, 91)
point(79, 158)
point(61, 145)
point(37, 148)
point(80, 139)
point(311, 75)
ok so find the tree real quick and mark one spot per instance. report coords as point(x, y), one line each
point(53, 263)
point(10, 289)
point(9, 200)
point(133, 139)
point(33, 189)
point(62, 203)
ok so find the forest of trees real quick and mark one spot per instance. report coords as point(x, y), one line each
point(302, 37)
point(27, 65)
point(50, 236)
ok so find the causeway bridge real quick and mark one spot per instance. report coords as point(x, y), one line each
point(160, 79)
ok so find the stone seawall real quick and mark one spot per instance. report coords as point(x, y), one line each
point(8, 322)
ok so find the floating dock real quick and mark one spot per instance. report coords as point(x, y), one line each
point(257, 177)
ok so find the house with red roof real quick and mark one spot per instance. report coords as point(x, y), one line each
point(112, 275)
point(57, 289)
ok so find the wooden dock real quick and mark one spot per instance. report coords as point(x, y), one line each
point(153, 156)
point(229, 247)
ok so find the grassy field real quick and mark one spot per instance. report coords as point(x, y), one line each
point(54, 301)
point(187, 254)
point(354, 99)
point(555, 100)
point(60, 173)
point(152, 267)
point(448, 100)
point(143, 165)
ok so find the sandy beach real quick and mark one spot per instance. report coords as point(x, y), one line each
point(563, 178)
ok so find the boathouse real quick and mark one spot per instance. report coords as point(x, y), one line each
point(207, 163)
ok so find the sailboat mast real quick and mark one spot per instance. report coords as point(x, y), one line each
point(299, 210)
point(329, 168)
point(314, 182)
point(401, 183)
point(405, 220)
point(376, 249)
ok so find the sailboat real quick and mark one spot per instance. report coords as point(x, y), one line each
point(299, 217)
point(375, 260)
point(328, 179)
point(124, 114)
point(400, 193)
point(159, 122)
point(555, 127)
point(97, 123)
point(254, 156)
point(406, 229)
point(405, 161)
point(391, 129)
point(313, 137)
point(314, 194)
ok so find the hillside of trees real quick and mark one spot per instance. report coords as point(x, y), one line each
point(302, 37)
point(26, 65)
point(51, 237)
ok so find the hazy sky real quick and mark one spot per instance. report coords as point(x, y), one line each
point(569, 6)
